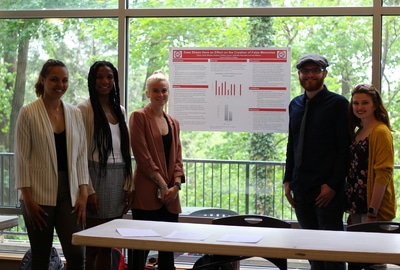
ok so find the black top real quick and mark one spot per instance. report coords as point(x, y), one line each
point(167, 140)
point(356, 185)
point(61, 148)
point(326, 142)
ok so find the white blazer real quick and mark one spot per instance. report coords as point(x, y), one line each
point(35, 154)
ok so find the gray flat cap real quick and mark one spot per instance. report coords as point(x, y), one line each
point(312, 57)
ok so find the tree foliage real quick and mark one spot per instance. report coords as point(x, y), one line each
point(345, 41)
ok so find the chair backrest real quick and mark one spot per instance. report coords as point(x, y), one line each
point(257, 221)
point(378, 226)
point(252, 220)
point(213, 212)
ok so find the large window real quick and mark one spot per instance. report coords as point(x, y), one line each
point(359, 38)
point(137, 4)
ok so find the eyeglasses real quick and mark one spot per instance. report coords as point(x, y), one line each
point(314, 71)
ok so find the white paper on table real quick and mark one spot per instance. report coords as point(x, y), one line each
point(136, 232)
point(240, 238)
point(187, 235)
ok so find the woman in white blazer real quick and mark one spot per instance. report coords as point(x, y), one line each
point(51, 169)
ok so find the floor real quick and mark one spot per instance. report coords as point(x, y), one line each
point(269, 267)
point(255, 264)
point(186, 261)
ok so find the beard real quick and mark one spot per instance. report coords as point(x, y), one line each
point(312, 85)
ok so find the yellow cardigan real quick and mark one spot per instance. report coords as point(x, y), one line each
point(380, 169)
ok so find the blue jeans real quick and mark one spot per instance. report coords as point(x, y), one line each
point(313, 217)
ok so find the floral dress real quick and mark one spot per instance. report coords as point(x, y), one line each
point(356, 185)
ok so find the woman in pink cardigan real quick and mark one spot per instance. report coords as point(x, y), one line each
point(158, 174)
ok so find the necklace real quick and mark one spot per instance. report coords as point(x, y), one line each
point(58, 113)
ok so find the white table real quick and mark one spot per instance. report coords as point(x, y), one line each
point(7, 222)
point(276, 243)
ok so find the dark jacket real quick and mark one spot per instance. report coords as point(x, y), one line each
point(326, 142)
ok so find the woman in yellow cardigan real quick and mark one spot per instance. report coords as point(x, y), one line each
point(370, 190)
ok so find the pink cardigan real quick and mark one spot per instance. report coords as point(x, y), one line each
point(148, 150)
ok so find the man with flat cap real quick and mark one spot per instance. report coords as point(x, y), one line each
point(316, 157)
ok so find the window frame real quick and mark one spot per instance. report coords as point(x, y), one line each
point(123, 13)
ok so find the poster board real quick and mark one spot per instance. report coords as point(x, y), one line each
point(230, 89)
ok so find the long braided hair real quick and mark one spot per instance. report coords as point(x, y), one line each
point(102, 135)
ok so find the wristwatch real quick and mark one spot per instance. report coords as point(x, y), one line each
point(372, 210)
point(178, 184)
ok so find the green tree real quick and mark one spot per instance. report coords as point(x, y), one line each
point(261, 145)
point(14, 53)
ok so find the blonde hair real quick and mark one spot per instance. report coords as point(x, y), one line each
point(157, 76)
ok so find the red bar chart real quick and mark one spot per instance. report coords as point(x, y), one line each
point(227, 89)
